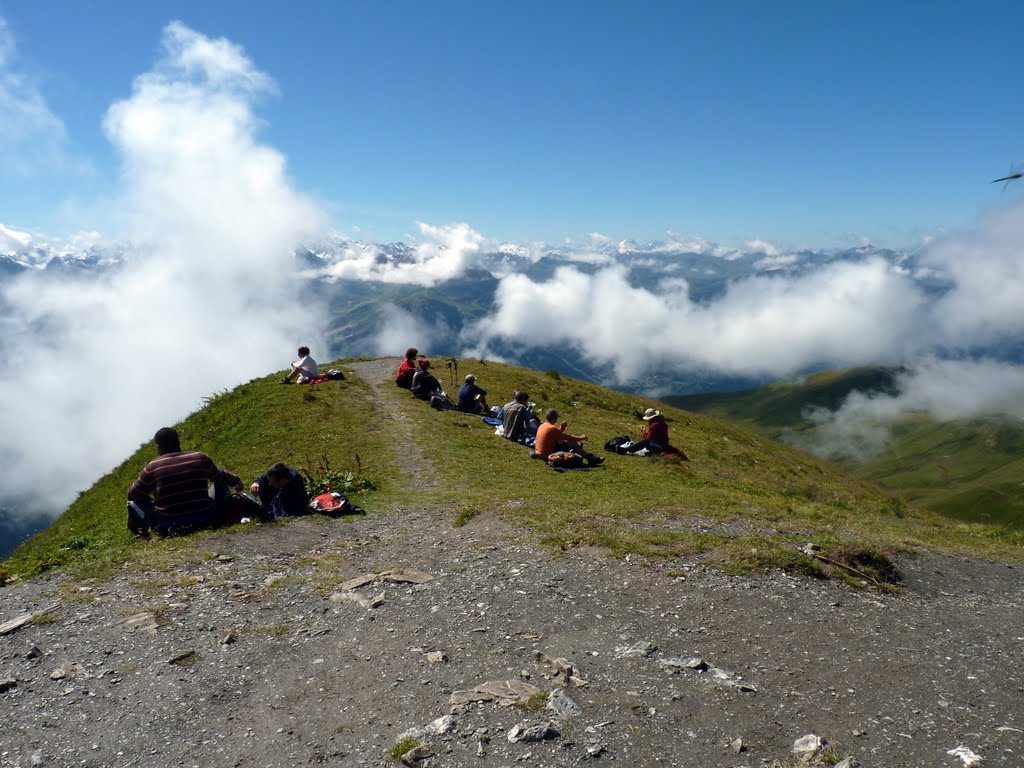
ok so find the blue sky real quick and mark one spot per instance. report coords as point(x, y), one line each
point(802, 123)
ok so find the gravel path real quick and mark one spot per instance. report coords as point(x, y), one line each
point(257, 653)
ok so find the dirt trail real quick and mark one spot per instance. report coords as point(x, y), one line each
point(409, 458)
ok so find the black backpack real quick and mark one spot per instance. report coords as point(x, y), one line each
point(619, 444)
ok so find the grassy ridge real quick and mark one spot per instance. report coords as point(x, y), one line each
point(742, 502)
point(245, 431)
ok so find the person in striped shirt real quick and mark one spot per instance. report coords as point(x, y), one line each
point(172, 493)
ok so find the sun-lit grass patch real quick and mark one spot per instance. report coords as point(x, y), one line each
point(742, 503)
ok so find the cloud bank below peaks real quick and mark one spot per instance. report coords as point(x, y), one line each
point(845, 313)
point(210, 302)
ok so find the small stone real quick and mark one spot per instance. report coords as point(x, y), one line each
point(593, 750)
point(808, 747)
point(417, 754)
point(408, 576)
point(644, 649)
point(228, 638)
point(377, 600)
point(442, 726)
point(969, 757)
point(437, 657)
point(847, 762)
point(7, 684)
point(527, 732)
point(684, 662)
point(737, 746)
point(37, 758)
point(563, 705)
point(33, 653)
point(224, 558)
point(58, 674)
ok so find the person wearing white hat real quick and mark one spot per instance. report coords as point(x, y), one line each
point(655, 438)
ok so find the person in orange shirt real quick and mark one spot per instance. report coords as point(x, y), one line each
point(552, 437)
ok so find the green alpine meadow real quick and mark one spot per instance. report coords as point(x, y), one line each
point(742, 503)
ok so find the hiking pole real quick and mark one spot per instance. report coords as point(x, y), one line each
point(453, 368)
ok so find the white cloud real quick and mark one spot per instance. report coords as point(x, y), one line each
point(445, 252)
point(771, 263)
point(943, 389)
point(32, 138)
point(13, 241)
point(761, 246)
point(208, 304)
point(400, 328)
point(987, 267)
point(845, 313)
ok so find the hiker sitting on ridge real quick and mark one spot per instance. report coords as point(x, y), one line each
point(407, 368)
point(424, 385)
point(517, 418)
point(172, 494)
point(304, 370)
point(655, 437)
point(472, 399)
point(552, 438)
point(281, 491)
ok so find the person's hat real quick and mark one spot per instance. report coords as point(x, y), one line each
point(424, 363)
point(470, 378)
point(650, 413)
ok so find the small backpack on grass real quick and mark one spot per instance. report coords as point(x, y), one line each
point(334, 504)
point(239, 506)
point(565, 460)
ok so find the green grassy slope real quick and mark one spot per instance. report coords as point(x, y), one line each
point(968, 469)
point(741, 502)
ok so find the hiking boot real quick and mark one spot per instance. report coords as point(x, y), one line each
point(595, 461)
point(286, 380)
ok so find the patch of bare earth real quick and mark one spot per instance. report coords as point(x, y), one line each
point(271, 651)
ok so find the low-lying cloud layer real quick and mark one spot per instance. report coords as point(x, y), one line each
point(844, 313)
point(91, 368)
point(943, 389)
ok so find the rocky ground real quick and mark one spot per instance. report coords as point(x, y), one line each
point(321, 641)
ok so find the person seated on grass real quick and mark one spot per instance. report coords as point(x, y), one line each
point(424, 385)
point(552, 437)
point(655, 436)
point(172, 493)
point(407, 368)
point(517, 417)
point(304, 370)
point(472, 399)
point(281, 491)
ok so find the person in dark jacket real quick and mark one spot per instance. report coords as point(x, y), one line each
point(281, 491)
point(472, 399)
point(424, 385)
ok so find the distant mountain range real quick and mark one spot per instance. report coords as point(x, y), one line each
point(358, 306)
